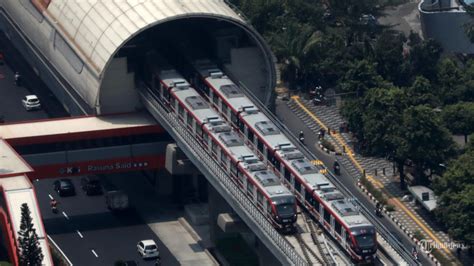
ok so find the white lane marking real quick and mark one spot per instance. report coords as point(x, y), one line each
point(79, 233)
point(65, 215)
point(95, 254)
point(50, 197)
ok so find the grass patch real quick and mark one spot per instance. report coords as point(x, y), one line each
point(374, 191)
point(236, 251)
point(5, 263)
point(328, 145)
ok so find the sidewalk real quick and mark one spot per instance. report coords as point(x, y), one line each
point(411, 219)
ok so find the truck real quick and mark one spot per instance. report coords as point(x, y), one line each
point(116, 200)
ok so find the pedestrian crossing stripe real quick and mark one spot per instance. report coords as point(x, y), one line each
point(317, 162)
point(323, 171)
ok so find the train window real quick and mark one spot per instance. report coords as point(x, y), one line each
point(224, 109)
point(240, 176)
point(189, 120)
point(327, 216)
point(259, 197)
point(277, 164)
point(206, 138)
point(297, 185)
point(233, 169)
point(250, 135)
point(270, 156)
point(214, 147)
point(199, 131)
point(241, 126)
point(315, 203)
point(172, 102)
point(234, 118)
point(249, 188)
point(259, 145)
point(338, 227)
point(215, 99)
point(166, 93)
point(348, 238)
point(224, 158)
point(287, 174)
point(180, 111)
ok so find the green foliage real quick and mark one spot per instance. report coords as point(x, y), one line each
point(389, 56)
point(426, 142)
point(373, 190)
point(30, 250)
point(421, 93)
point(424, 57)
point(455, 190)
point(390, 208)
point(459, 118)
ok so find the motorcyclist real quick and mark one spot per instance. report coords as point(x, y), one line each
point(17, 78)
point(54, 205)
point(301, 137)
point(337, 168)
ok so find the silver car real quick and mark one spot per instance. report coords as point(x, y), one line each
point(31, 102)
point(148, 249)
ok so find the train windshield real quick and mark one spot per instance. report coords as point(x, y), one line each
point(365, 240)
point(285, 209)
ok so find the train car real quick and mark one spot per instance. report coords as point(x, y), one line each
point(227, 147)
point(337, 214)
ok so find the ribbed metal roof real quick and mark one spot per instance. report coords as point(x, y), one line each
point(97, 28)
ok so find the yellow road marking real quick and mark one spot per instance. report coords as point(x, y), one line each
point(374, 181)
point(317, 162)
point(323, 171)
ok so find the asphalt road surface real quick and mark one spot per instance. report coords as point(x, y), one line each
point(89, 233)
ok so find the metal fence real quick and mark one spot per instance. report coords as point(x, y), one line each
point(223, 183)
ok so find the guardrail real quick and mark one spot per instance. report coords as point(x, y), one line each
point(221, 181)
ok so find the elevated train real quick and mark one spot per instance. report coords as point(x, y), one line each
point(337, 214)
point(227, 147)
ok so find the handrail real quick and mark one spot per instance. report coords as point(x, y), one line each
point(221, 180)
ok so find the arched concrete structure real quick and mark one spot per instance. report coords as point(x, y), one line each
point(75, 46)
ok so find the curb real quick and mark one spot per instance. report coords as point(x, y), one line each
point(399, 224)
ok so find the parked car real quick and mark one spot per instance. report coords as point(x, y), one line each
point(31, 102)
point(91, 185)
point(64, 187)
point(148, 249)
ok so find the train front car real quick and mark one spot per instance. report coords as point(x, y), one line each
point(364, 243)
point(282, 201)
point(285, 212)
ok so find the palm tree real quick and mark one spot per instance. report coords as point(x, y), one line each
point(293, 46)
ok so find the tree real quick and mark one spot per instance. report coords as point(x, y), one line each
point(424, 57)
point(29, 248)
point(361, 77)
point(459, 118)
point(426, 142)
point(421, 92)
point(450, 80)
point(389, 56)
point(455, 190)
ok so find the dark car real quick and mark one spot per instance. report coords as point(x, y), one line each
point(91, 185)
point(64, 187)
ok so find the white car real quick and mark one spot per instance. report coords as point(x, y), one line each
point(31, 102)
point(148, 249)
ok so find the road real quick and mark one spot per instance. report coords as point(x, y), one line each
point(288, 118)
point(85, 226)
